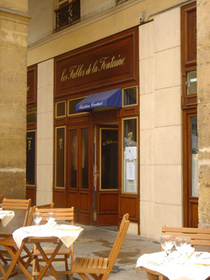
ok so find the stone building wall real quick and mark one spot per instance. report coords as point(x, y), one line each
point(203, 69)
point(13, 51)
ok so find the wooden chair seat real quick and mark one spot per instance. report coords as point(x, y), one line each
point(100, 268)
point(94, 265)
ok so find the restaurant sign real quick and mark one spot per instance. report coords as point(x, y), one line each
point(107, 62)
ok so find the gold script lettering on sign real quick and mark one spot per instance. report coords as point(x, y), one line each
point(103, 64)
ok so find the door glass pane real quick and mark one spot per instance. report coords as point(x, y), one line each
point(60, 157)
point(84, 157)
point(73, 158)
point(130, 158)
point(109, 159)
point(194, 156)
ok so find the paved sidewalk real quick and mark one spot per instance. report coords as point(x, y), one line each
point(97, 241)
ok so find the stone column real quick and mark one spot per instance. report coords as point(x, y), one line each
point(13, 75)
point(203, 69)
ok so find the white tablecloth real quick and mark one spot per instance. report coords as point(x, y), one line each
point(66, 233)
point(197, 267)
point(6, 216)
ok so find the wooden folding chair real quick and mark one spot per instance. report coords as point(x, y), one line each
point(16, 204)
point(199, 236)
point(9, 242)
point(13, 204)
point(63, 254)
point(100, 268)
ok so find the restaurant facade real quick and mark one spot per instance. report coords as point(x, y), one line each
point(112, 117)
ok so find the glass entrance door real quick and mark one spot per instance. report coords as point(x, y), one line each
point(108, 176)
point(79, 191)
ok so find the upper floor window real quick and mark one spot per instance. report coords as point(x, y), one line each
point(68, 13)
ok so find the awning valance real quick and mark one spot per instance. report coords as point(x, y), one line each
point(111, 98)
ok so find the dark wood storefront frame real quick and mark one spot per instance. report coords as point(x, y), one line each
point(127, 77)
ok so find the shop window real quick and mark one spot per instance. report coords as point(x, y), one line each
point(85, 157)
point(73, 158)
point(60, 109)
point(72, 105)
point(130, 96)
point(194, 156)
point(130, 156)
point(30, 158)
point(60, 133)
point(191, 82)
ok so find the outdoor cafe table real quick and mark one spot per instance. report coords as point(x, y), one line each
point(195, 267)
point(57, 234)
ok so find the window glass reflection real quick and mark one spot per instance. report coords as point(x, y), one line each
point(130, 156)
point(109, 159)
point(84, 157)
point(130, 96)
point(60, 157)
point(194, 156)
point(191, 82)
point(73, 158)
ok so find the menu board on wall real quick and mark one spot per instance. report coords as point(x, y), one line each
point(30, 157)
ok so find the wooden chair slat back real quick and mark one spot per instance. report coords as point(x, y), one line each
point(199, 236)
point(61, 214)
point(118, 242)
point(17, 204)
point(30, 219)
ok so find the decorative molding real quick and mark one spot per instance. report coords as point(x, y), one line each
point(14, 16)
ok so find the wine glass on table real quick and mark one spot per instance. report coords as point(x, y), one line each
point(51, 218)
point(167, 243)
point(37, 217)
point(179, 243)
point(187, 246)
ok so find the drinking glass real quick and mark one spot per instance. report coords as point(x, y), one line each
point(167, 243)
point(37, 217)
point(179, 244)
point(187, 246)
point(51, 218)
